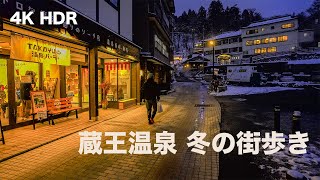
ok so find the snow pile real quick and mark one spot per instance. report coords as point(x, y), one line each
point(293, 84)
point(302, 62)
point(239, 90)
point(306, 166)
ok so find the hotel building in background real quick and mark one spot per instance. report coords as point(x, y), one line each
point(260, 40)
point(82, 58)
point(274, 37)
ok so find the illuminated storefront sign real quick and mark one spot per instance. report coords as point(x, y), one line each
point(86, 30)
point(35, 50)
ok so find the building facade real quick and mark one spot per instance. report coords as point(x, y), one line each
point(156, 16)
point(73, 61)
point(274, 37)
point(226, 48)
point(260, 40)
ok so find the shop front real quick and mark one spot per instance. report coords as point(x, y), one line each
point(87, 63)
point(120, 79)
point(30, 62)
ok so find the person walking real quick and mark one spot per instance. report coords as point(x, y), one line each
point(151, 94)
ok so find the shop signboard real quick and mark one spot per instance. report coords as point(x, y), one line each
point(26, 79)
point(39, 106)
point(86, 30)
point(36, 50)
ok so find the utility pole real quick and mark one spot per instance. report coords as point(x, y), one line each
point(203, 48)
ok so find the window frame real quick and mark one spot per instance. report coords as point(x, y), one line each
point(287, 25)
point(257, 51)
point(272, 49)
point(249, 42)
point(257, 42)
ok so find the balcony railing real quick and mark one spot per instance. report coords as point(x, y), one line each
point(155, 9)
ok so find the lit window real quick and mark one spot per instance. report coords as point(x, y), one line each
point(272, 49)
point(305, 34)
point(265, 41)
point(249, 43)
point(257, 41)
point(282, 38)
point(257, 51)
point(273, 40)
point(288, 25)
point(262, 29)
point(252, 31)
point(263, 50)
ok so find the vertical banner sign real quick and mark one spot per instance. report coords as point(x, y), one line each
point(35, 50)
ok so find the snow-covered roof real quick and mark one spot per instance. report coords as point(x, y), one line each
point(301, 62)
point(270, 21)
point(225, 35)
point(196, 58)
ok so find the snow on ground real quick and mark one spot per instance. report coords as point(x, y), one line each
point(306, 166)
point(239, 90)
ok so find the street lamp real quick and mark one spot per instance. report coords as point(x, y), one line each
point(213, 54)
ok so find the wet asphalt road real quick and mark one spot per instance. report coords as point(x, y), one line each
point(255, 113)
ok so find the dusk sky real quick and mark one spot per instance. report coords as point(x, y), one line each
point(266, 7)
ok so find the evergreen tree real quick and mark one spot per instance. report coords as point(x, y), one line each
point(202, 24)
point(249, 16)
point(314, 10)
point(233, 18)
point(216, 16)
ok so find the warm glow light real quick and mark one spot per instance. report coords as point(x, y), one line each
point(211, 42)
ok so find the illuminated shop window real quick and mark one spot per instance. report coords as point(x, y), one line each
point(85, 87)
point(51, 81)
point(118, 78)
point(272, 49)
point(4, 93)
point(26, 80)
point(282, 38)
point(72, 84)
point(287, 26)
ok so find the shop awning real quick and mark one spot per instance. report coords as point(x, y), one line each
point(155, 60)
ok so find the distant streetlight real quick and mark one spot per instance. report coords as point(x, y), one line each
point(213, 54)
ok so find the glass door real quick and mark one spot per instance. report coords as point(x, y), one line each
point(85, 87)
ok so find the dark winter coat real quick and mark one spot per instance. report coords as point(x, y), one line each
point(150, 90)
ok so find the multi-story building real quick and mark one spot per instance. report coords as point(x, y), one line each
point(273, 37)
point(114, 14)
point(260, 40)
point(227, 48)
point(156, 18)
